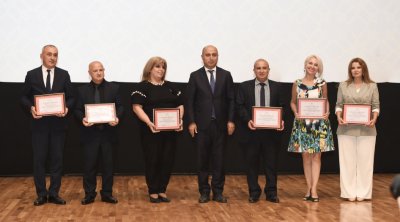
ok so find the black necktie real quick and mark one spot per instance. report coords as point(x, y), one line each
point(96, 94)
point(212, 80)
point(97, 100)
point(48, 87)
point(262, 94)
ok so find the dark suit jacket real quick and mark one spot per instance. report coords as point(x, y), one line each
point(109, 94)
point(34, 85)
point(200, 99)
point(245, 100)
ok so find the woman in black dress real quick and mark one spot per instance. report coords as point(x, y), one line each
point(158, 146)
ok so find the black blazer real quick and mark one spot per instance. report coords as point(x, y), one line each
point(245, 100)
point(109, 94)
point(200, 99)
point(34, 85)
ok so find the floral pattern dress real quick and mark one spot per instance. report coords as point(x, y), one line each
point(311, 135)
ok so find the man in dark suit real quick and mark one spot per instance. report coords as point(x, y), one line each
point(259, 142)
point(98, 139)
point(210, 110)
point(48, 132)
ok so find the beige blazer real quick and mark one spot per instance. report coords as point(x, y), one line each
point(367, 94)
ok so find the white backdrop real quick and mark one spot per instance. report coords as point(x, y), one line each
point(124, 34)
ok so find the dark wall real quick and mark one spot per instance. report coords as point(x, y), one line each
point(16, 152)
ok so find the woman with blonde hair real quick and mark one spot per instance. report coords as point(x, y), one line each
point(310, 137)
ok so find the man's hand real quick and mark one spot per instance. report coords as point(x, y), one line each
point(282, 126)
point(192, 129)
point(34, 115)
point(114, 123)
point(250, 124)
point(63, 114)
point(231, 127)
point(86, 123)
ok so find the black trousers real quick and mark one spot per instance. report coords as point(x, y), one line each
point(159, 152)
point(210, 145)
point(47, 145)
point(98, 147)
point(263, 144)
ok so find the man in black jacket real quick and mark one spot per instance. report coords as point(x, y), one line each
point(259, 142)
point(48, 132)
point(98, 138)
point(210, 108)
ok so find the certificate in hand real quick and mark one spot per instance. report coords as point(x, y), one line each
point(100, 112)
point(357, 113)
point(267, 117)
point(49, 104)
point(166, 118)
point(311, 108)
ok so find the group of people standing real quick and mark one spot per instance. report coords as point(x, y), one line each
point(209, 106)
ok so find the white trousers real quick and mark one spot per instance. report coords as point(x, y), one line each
point(356, 161)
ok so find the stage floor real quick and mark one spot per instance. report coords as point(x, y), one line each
point(18, 193)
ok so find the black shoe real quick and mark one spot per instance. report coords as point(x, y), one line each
point(164, 199)
point(40, 201)
point(109, 199)
point(273, 199)
point(204, 198)
point(87, 200)
point(57, 200)
point(220, 198)
point(154, 200)
point(253, 199)
point(314, 199)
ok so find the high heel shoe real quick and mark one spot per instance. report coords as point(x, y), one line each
point(305, 198)
point(154, 200)
point(314, 199)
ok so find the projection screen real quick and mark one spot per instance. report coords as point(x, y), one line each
point(124, 34)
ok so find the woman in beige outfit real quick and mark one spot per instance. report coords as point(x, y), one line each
point(357, 142)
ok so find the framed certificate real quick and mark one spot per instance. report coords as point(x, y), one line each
point(100, 112)
point(49, 104)
point(267, 117)
point(311, 108)
point(166, 118)
point(357, 113)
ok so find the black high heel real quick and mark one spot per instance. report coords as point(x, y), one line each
point(307, 197)
point(314, 199)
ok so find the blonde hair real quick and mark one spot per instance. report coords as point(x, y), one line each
point(319, 62)
point(153, 61)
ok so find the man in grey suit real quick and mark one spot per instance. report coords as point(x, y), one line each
point(210, 110)
point(48, 132)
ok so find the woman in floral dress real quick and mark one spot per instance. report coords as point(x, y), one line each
point(310, 137)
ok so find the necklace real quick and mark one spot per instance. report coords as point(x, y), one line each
point(156, 83)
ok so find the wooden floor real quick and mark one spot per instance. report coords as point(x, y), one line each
point(17, 195)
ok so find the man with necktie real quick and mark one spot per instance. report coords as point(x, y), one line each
point(98, 139)
point(48, 132)
point(259, 142)
point(210, 110)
